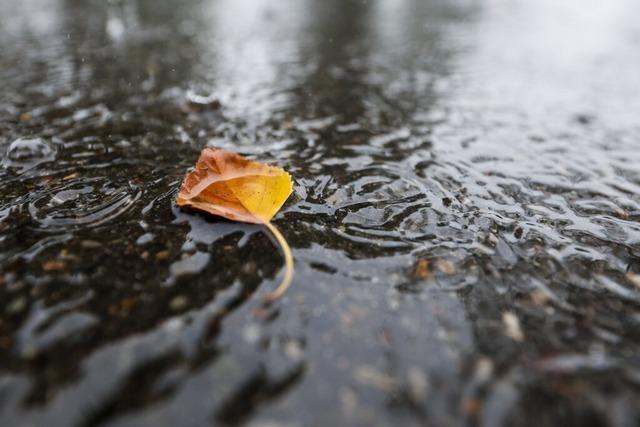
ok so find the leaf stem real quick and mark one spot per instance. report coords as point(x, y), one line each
point(288, 272)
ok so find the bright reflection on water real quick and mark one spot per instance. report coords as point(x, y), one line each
point(464, 219)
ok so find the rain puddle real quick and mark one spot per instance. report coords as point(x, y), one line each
point(465, 217)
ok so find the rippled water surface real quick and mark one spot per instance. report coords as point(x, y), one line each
point(465, 217)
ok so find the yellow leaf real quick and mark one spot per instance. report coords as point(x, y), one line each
point(228, 185)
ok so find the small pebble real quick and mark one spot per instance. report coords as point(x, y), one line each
point(512, 326)
point(90, 244)
point(293, 350)
point(53, 265)
point(145, 238)
point(178, 303)
point(446, 266)
point(417, 384)
point(17, 305)
point(251, 333)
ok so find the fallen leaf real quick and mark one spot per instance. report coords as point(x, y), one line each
point(422, 270)
point(228, 185)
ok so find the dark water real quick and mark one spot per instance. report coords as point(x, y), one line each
point(465, 219)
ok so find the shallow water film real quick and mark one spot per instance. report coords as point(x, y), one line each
point(465, 217)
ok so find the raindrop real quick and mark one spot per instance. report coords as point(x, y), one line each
point(27, 153)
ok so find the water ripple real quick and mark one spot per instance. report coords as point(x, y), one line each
point(81, 203)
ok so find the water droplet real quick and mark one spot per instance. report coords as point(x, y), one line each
point(27, 153)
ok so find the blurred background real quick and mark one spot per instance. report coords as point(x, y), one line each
point(465, 216)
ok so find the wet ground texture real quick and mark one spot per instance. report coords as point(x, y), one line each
point(465, 217)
